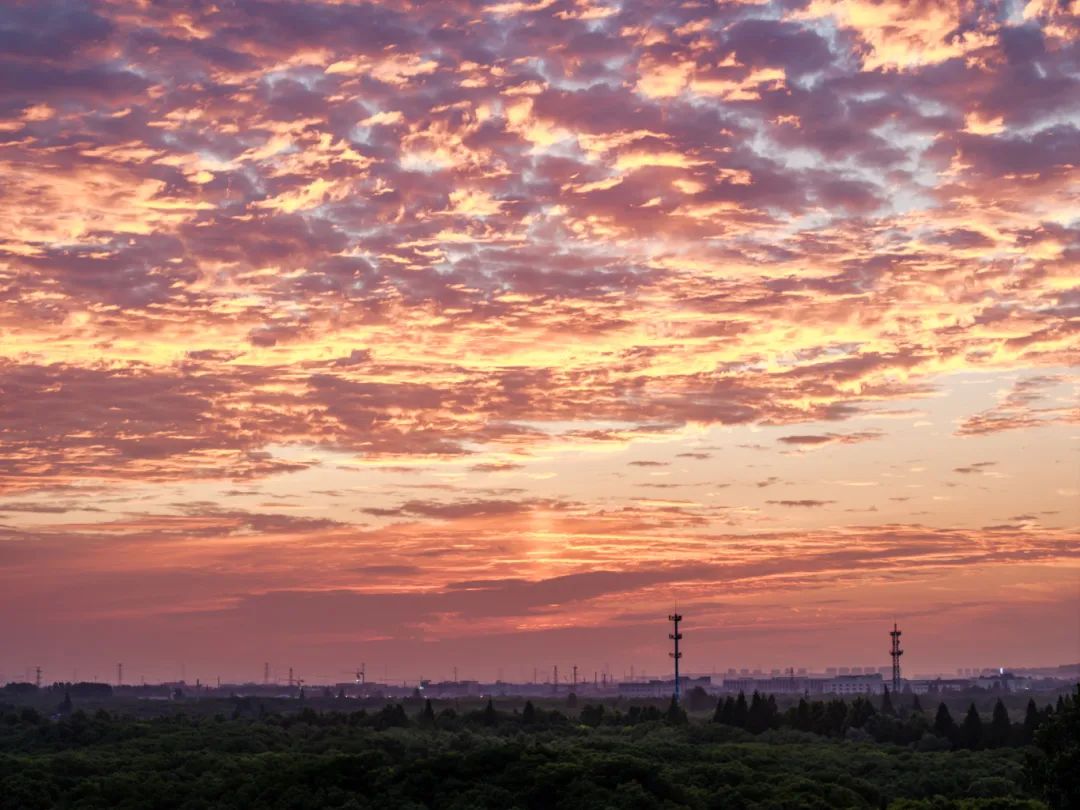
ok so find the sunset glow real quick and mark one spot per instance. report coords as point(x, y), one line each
point(480, 334)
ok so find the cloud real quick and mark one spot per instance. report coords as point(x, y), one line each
point(976, 468)
point(334, 250)
point(808, 503)
point(1018, 409)
point(817, 439)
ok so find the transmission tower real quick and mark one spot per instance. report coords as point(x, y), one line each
point(676, 636)
point(895, 654)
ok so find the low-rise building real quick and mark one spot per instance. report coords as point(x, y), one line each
point(661, 688)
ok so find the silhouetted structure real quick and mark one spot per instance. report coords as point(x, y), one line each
point(895, 653)
point(675, 618)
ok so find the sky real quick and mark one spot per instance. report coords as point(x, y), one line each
point(436, 335)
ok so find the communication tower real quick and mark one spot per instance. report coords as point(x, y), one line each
point(895, 654)
point(676, 636)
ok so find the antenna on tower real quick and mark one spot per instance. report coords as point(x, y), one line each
point(676, 636)
point(895, 652)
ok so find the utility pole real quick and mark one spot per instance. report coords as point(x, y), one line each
point(119, 674)
point(266, 673)
point(675, 618)
point(895, 654)
point(555, 679)
point(290, 678)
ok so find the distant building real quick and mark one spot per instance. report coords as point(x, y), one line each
point(662, 688)
point(1003, 682)
point(452, 689)
point(780, 685)
point(855, 685)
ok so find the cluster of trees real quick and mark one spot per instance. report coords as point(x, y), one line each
point(391, 758)
point(415, 755)
point(77, 689)
point(884, 723)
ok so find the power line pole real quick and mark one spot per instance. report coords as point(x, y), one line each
point(675, 618)
point(120, 674)
point(575, 677)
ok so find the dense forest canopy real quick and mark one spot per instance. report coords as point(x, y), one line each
point(745, 753)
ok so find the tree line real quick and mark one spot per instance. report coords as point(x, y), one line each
point(885, 723)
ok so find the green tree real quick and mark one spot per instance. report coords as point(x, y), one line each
point(528, 714)
point(675, 715)
point(886, 704)
point(757, 718)
point(427, 716)
point(739, 711)
point(697, 699)
point(944, 725)
point(592, 715)
point(999, 733)
point(723, 711)
point(971, 730)
point(1052, 769)
point(1032, 721)
point(803, 721)
point(861, 712)
point(490, 717)
point(772, 712)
